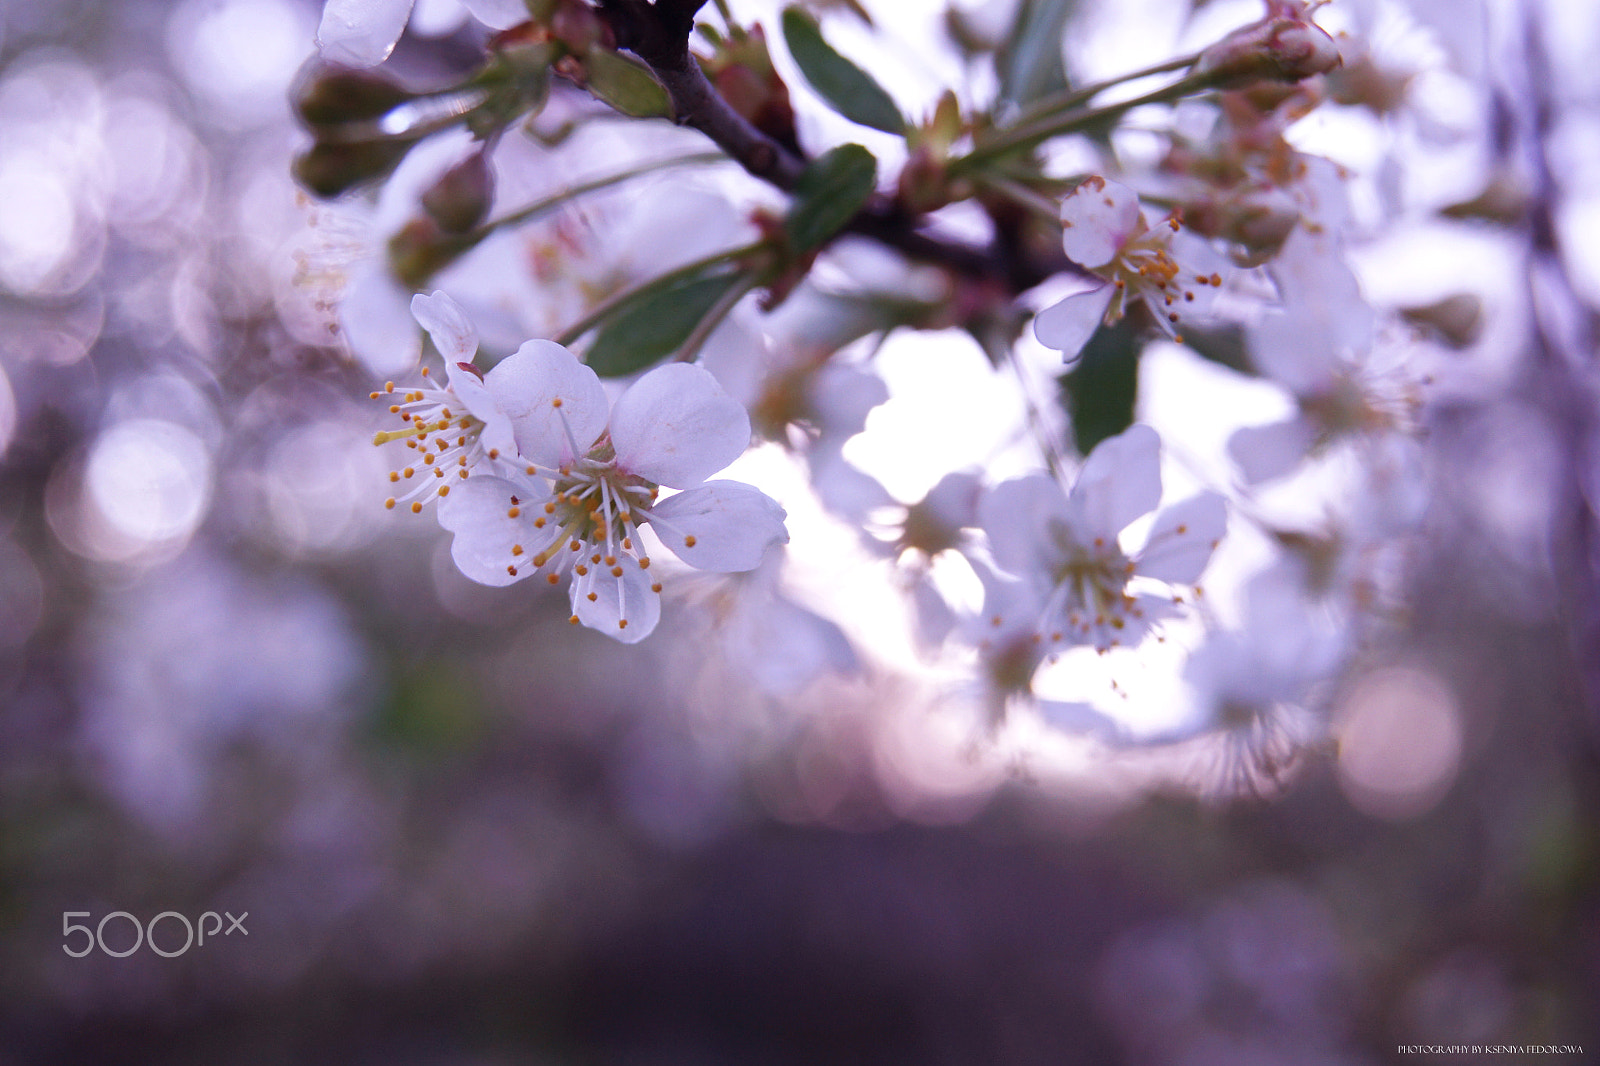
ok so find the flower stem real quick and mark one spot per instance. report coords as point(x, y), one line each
point(608, 307)
point(1020, 194)
point(1029, 135)
point(1057, 102)
point(572, 192)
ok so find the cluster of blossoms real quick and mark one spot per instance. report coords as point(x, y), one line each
point(1232, 231)
point(538, 473)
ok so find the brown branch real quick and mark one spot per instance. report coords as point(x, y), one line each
point(658, 34)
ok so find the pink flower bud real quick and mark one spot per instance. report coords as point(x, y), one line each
point(1276, 48)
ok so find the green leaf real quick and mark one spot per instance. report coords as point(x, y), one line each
point(1029, 63)
point(1099, 392)
point(655, 322)
point(847, 88)
point(626, 85)
point(829, 193)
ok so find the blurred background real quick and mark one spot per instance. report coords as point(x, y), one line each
point(465, 832)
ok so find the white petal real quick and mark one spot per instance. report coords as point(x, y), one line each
point(1183, 538)
point(674, 223)
point(447, 324)
point(731, 523)
point(498, 14)
point(627, 598)
point(843, 488)
point(1068, 325)
point(1270, 451)
point(361, 33)
point(1097, 218)
point(1018, 515)
point(481, 404)
point(932, 615)
point(554, 402)
point(954, 500)
point(738, 355)
point(477, 512)
point(784, 647)
point(676, 427)
point(1082, 719)
point(373, 319)
point(1294, 352)
point(1010, 608)
point(842, 397)
point(1120, 481)
point(1317, 285)
point(437, 18)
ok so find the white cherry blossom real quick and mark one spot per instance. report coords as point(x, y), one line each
point(1103, 230)
point(463, 427)
point(590, 477)
point(1321, 348)
point(1068, 544)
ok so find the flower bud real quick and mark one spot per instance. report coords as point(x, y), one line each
point(923, 182)
point(1456, 320)
point(1273, 49)
point(741, 69)
point(1260, 222)
point(461, 197)
point(329, 169)
point(326, 96)
point(1504, 201)
point(580, 28)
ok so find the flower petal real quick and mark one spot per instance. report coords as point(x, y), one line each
point(1083, 719)
point(498, 14)
point(1018, 515)
point(361, 33)
point(373, 319)
point(843, 488)
point(1183, 538)
point(1270, 451)
point(784, 646)
point(725, 526)
point(676, 427)
point(469, 388)
point(1097, 218)
point(842, 397)
point(447, 324)
point(1120, 481)
point(627, 599)
point(1011, 608)
point(554, 402)
point(477, 512)
point(1068, 325)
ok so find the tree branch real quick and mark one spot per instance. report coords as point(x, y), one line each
point(658, 34)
